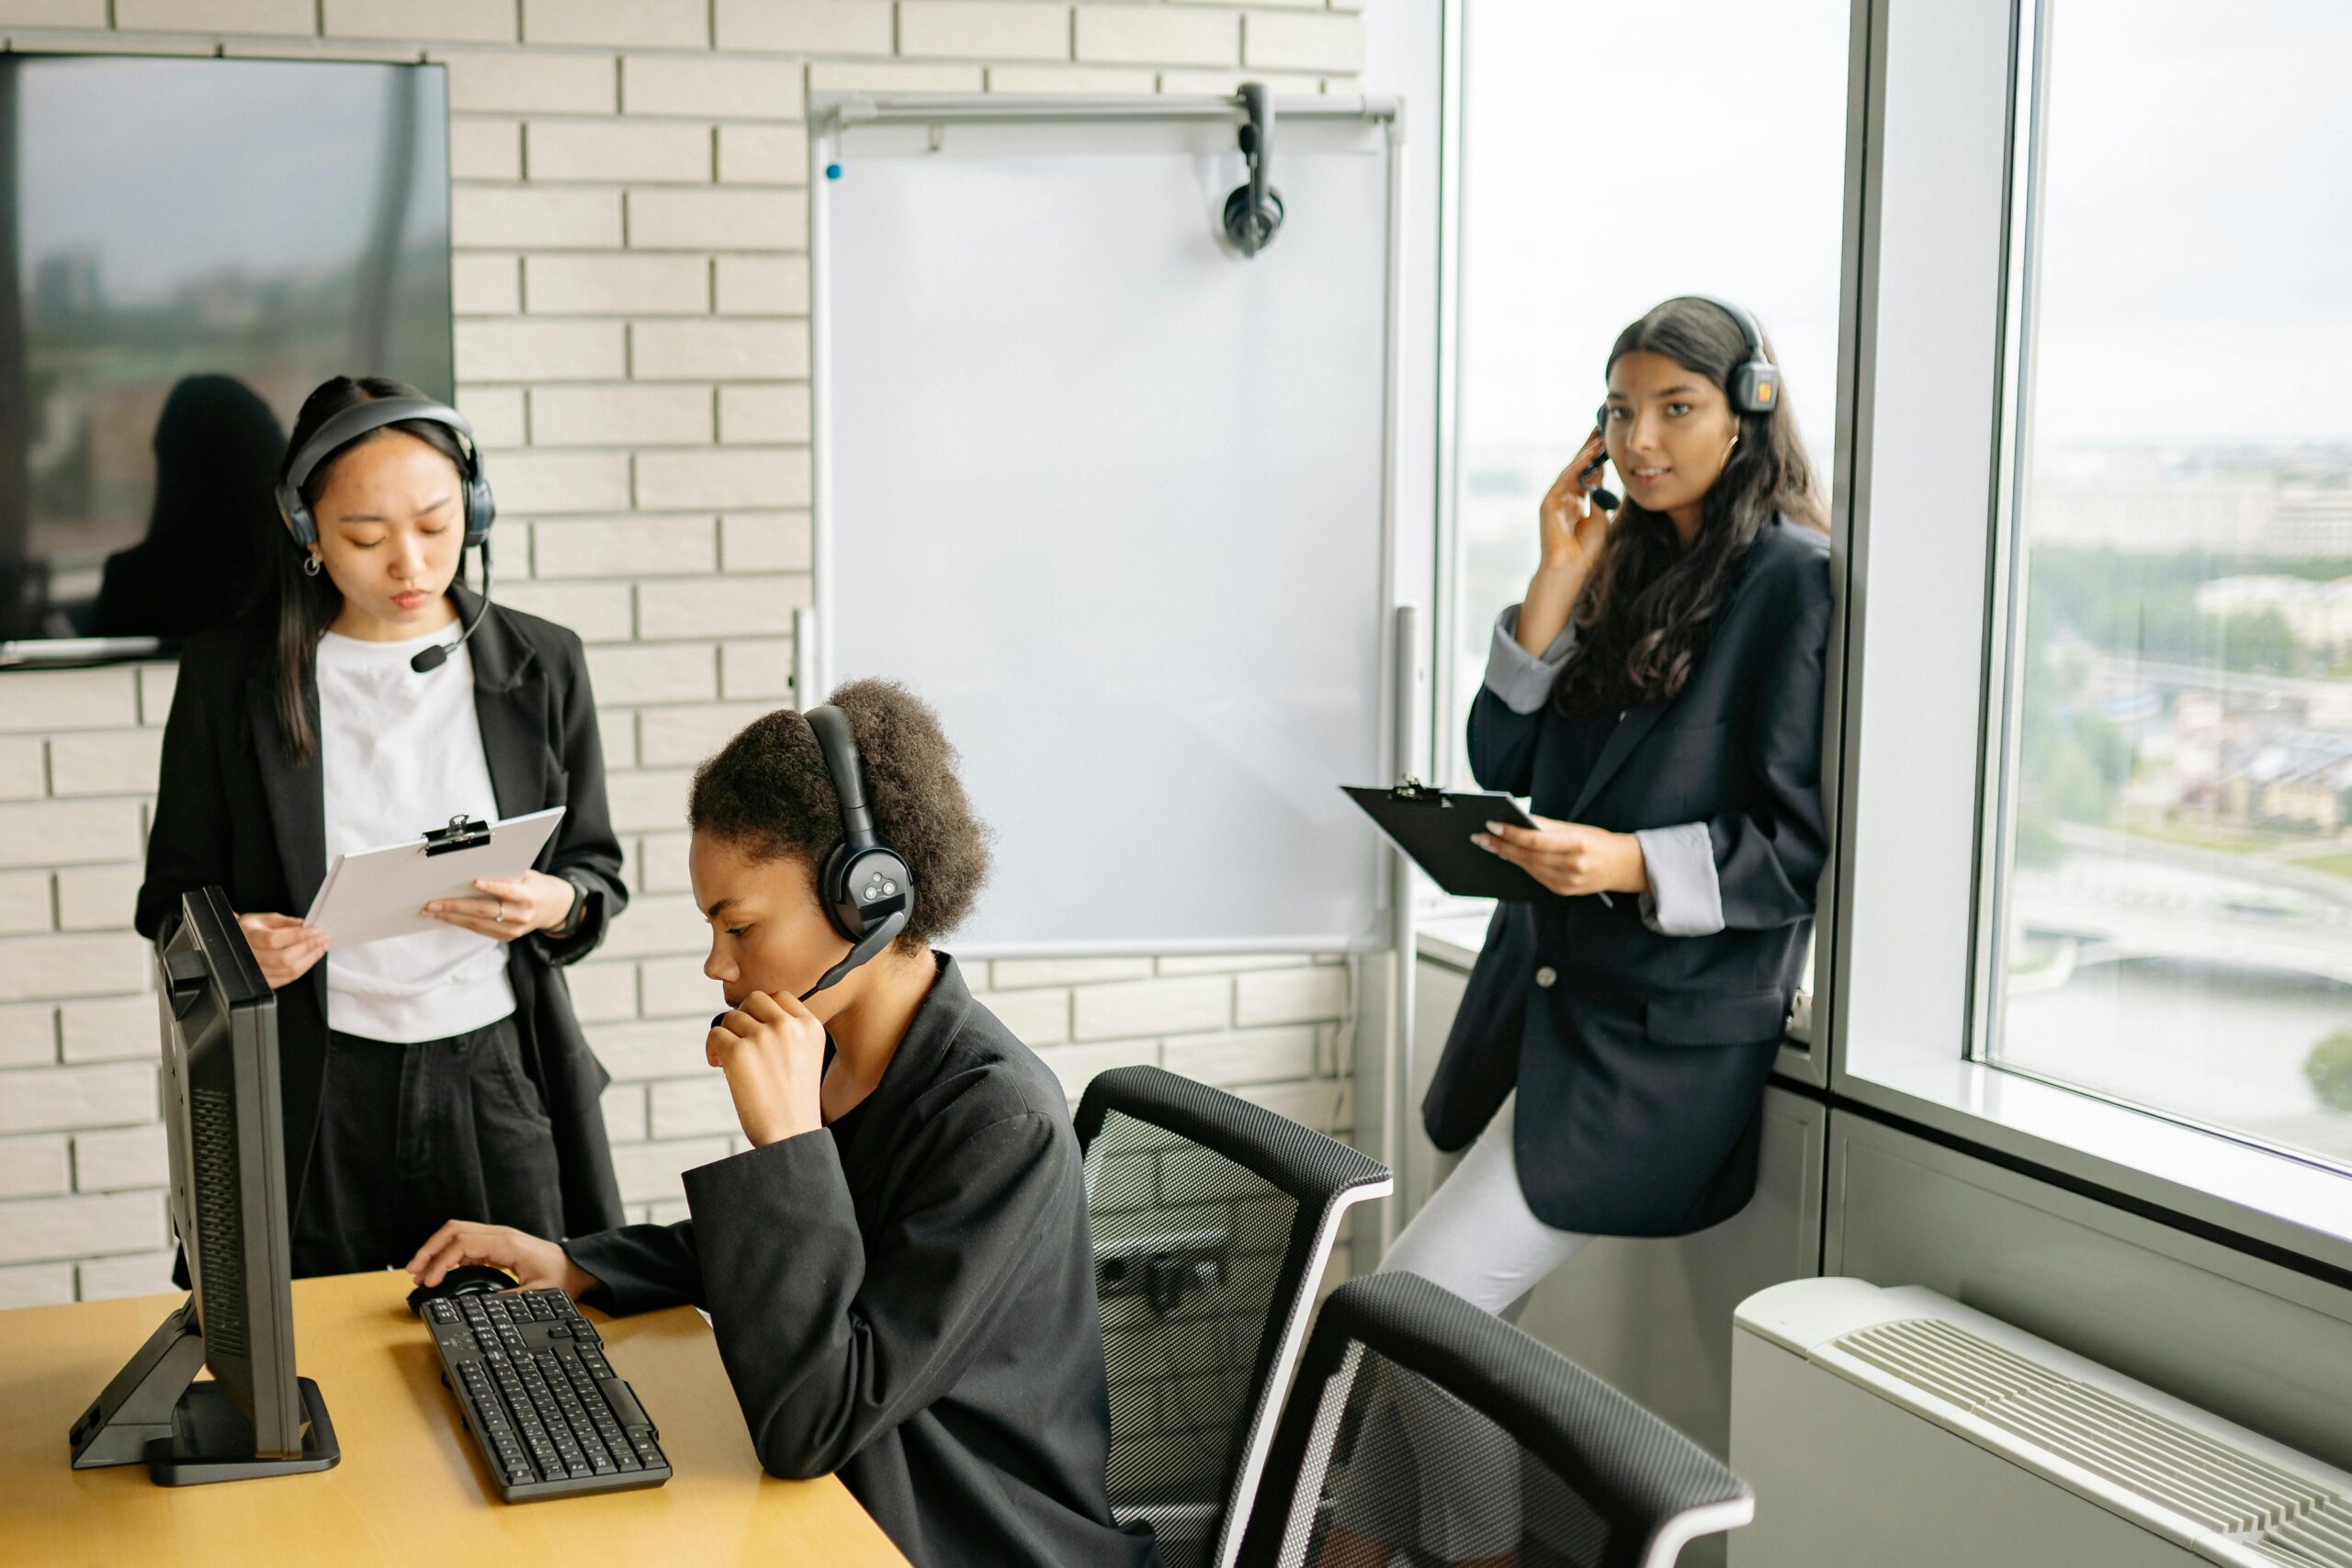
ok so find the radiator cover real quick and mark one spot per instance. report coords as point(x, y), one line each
point(1885, 1426)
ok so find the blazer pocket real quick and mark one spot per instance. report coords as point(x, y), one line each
point(1716, 1021)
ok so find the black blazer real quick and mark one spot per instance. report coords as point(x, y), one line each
point(1640, 1058)
point(232, 810)
point(907, 1298)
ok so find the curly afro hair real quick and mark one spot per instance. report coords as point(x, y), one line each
point(768, 792)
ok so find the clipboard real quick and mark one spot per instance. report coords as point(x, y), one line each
point(377, 893)
point(1434, 827)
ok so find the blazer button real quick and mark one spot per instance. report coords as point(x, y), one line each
point(1545, 975)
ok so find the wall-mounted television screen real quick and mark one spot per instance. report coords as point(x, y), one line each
point(188, 246)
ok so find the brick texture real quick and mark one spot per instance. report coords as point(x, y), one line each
point(630, 217)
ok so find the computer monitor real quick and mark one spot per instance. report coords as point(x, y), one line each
point(222, 1111)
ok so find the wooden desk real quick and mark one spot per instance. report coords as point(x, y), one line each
point(411, 1489)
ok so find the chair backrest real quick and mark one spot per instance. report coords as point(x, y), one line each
point(1214, 1220)
point(1419, 1425)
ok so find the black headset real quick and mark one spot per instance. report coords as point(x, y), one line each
point(1253, 213)
point(362, 419)
point(868, 892)
point(1754, 386)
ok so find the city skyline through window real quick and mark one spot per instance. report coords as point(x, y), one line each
point(2175, 913)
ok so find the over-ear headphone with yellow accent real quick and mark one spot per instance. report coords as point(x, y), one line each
point(1754, 386)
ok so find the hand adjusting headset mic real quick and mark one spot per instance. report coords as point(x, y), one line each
point(1602, 497)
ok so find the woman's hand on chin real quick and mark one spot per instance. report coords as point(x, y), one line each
point(1570, 858)
point(773, 1050)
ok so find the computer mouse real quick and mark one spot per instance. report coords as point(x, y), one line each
point(465, 1280)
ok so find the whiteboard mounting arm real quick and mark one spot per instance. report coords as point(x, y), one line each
point(935, 108)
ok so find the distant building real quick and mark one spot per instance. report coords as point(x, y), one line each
point(2313, 523)
point(2300, 780)
point(2319, 613)
point(2288, 504)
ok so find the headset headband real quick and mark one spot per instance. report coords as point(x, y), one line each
point(1744, 322)
point(341, 429)
point(834, 738)
point(1754, 386)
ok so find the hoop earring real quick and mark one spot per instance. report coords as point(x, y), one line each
point(310, 565)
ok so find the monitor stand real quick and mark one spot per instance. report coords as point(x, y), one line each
point(211, 1441)
point(187, 1432)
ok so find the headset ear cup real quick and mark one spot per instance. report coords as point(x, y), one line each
point(1756, 387)
point(1252, 227)
point(481, 511)
point(299, 520)
point(832, 891)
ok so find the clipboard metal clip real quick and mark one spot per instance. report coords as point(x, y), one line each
point(1417, 793)
point(462, 833)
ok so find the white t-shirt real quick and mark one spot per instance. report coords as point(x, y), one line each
point(401, 752)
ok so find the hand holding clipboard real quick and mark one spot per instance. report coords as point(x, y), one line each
point(382, 892)
point(1435, 829)
point(1483, 846)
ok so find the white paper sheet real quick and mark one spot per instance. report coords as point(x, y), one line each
point(380, 892)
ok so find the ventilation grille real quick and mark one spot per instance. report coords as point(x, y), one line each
point(2171, 1465)
point(221, 1239)
point(2321, 1539)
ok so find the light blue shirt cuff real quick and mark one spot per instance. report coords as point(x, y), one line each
point(1521, 679)
point(1684, 899)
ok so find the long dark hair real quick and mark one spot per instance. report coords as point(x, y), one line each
point(303, 606)
point(1648, 606)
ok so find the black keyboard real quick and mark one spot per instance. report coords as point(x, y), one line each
point(533, 1386)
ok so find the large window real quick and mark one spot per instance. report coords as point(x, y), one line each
point(1614, 156)
point(2171, 923)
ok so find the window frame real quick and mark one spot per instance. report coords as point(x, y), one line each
point(1941, 229)
point(1802, 1057)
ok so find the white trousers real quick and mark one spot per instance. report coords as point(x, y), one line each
point(1429, 1476)
point(1476, 1236)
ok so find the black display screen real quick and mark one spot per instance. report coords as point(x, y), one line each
point(188, 246)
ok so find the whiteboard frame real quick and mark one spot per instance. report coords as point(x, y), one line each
point(829, 114)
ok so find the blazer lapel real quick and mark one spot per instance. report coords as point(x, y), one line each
point(510, 704)
point(1636, 724)
point(297, 799)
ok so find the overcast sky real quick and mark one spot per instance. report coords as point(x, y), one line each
point(2197, 271)
point(176, 169)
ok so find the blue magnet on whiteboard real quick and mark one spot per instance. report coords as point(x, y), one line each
point(832, 171)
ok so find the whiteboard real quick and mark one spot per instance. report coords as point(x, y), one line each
point(1116, 502)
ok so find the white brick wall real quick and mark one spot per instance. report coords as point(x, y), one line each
point(630, 219)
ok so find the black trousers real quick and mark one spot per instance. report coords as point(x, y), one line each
point(412, 1136)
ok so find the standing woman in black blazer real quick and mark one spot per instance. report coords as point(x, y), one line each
point(441, 1072)
point(1659, 694)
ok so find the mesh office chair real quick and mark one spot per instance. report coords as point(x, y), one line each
point(1214, 1220)
point(1421, 1430)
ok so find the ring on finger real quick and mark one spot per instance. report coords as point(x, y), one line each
point(501, 918)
